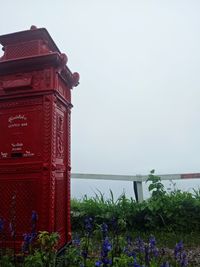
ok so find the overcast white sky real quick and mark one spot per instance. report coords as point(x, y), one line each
point(138, 103)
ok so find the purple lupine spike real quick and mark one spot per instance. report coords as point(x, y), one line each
point(180, 254)
point(26, 243)
point(178, 249)
point(106, 261)
point(1, 225)
point(106, 246)
point(114, 225)
point(76, 241)
point(28, 240)
point(152, 245)
point(129, 240)
point(88, 225)
point(165, 264)
point(184, 260)
point(152, 242)
point(98, 263)
point(84, 254)
point(104, 230)
point(128, 249)
point(132, 254)
point(140, 245)
point(34, 217)
point(135, 264)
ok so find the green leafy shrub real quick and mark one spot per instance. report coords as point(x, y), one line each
point(175, 211)
point(6, 261)
point(156, 187)
point(44, 253)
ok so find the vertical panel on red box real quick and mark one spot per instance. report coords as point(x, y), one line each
point(61, 155)
point(21, 133)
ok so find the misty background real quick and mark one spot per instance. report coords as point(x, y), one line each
point(137, 105)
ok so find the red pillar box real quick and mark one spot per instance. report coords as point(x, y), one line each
point(35, 106)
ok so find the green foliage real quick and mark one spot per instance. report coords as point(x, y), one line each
point(122, 261)
point(156, 186)
point(103, 210)
point(169, 212)
point(196, 193)
point(48, 241)
point(71, 257)
point(42, 253)
point(38, 259)
point(6, 261)
point(45, 252)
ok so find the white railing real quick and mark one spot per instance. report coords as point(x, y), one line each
point(136, 179)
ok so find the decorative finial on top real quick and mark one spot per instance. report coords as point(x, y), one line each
point(64, 58)
point(75, 78)
point(63, 62)
point(33, 27)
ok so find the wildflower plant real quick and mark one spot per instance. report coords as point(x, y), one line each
point(72, 255)
point(1, 225)
point(86, 240)
point(156, 187)
point(104, 243)
point(29, 238)
point(45, 253)
point(180, 254)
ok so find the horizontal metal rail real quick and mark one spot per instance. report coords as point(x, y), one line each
point(136, 179)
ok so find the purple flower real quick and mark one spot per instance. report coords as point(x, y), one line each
point(34, 216)
point(180, 254)
point(88, 225)
point(131, 254)
point(129, 240)
point(76, 241)
point(98, 263)
point(34, 219)
point(1, 225)
point(106, 261)
point(165, 264)
point(114, 225)
point(84, 254)
point(106, 247)
point(135, 264)
point(140, 245)
point(104, 230)
point(152, 245)
point(128, 250)
point(28, 239)
point(152, 242)
point(184, 261)
point(178, 249)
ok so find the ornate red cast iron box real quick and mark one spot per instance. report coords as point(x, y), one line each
point(35, 106)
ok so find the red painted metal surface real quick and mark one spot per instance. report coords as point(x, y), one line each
point(190, 176)
point(35, 108)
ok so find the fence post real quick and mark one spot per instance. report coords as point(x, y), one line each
point(138, 190)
